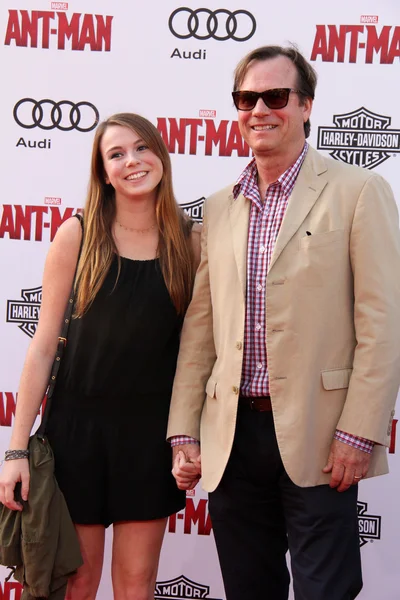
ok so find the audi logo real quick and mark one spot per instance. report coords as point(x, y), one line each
point(64, 115)
point(220, 24)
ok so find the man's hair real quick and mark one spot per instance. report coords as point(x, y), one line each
point(306, 75)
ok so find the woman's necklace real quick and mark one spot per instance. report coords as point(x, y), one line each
point(136, 230)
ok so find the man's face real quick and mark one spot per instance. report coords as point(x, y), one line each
point(280, 132)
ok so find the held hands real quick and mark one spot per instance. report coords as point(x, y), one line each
point(346, 464)
point(186, 463)
point(13, 472)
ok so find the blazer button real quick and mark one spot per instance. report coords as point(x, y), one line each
point(235, 390)
point(239, 345)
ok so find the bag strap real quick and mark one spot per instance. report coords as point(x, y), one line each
point(62, 342)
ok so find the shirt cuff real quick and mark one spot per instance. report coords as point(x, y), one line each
point(352, 440)
point(179, 440)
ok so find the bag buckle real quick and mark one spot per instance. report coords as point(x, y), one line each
point(64, 340)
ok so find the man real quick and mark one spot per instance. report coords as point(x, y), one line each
point(293, 333)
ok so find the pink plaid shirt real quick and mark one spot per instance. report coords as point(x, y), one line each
point(265, 221)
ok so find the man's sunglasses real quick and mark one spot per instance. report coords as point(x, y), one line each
point(275, 99)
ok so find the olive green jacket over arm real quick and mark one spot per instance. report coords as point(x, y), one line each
point(40, 542)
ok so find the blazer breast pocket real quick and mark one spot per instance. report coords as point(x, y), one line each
point(321, 239)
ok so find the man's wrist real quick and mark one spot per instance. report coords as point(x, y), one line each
point(181, 440)
point(355, 441)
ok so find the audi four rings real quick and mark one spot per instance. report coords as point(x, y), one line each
point(239, 25)
point(52, 118)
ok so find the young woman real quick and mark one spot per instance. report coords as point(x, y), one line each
point(109, 411)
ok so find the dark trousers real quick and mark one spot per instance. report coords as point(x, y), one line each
point(258, 513)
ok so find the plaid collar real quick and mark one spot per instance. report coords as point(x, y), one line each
point(247, 183)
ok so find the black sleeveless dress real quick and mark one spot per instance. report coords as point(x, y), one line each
point(109, 414)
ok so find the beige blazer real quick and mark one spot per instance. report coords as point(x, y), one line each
point(332, 316)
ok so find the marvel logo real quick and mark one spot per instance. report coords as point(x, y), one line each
point(369, 19)
point(59, 5)
point(208, 113)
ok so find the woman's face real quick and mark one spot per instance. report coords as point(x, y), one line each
point(130, 166)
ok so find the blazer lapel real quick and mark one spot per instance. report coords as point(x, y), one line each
point(239, 213)
point(307, 189)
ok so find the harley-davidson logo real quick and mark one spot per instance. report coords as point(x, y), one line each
point(25, 312)
point(360, 138)
point(195, 209)
point(181, 588)
point(369, 526)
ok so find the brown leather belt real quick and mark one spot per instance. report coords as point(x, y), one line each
point(260, 404)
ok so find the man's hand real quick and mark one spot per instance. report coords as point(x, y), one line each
point(346, 464)
point(186, 463)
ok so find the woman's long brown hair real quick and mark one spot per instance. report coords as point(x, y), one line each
point(174, 247)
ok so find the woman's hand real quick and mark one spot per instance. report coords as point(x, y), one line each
point(14, 471)
point(186, 466)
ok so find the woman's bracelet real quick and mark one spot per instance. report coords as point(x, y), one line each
point(16, 454)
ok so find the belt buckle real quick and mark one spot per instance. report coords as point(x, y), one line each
point(252, 404)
